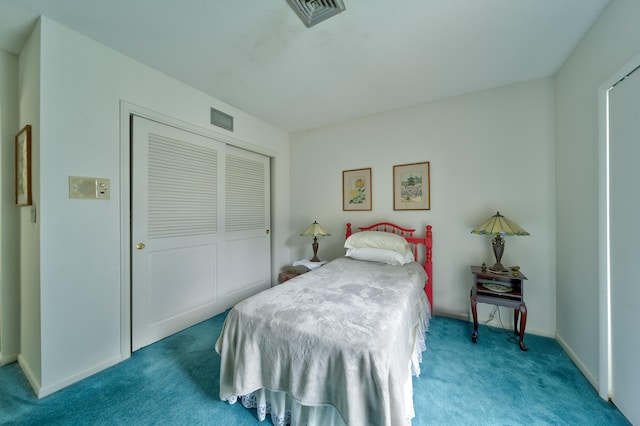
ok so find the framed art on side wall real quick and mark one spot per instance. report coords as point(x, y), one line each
point(23, 166)
point(356, 189)
point(411, 187)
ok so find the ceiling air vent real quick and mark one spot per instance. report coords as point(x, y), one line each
point(313, 11)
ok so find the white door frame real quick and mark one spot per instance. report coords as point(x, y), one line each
point(605, 384)
point(126, 110)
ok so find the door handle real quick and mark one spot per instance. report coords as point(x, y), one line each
point(140, 246)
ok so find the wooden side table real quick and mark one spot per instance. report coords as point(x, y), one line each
point(291, 272)
point(499, 289)
point(309, 264)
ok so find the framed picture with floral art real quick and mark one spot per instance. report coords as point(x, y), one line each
point(411, 187)
point(356, 189)
point(23, 166)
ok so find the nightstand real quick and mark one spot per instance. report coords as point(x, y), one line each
point(502, 290)
point(291, 272)
point(309, 264)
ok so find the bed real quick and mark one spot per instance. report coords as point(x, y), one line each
point(337, 345)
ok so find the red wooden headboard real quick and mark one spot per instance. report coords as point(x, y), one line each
point(427, 242)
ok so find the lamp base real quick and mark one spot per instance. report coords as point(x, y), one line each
point(498, 250)
point(315, 250)
point(498, 269)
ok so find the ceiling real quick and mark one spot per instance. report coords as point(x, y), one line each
point(376, 56)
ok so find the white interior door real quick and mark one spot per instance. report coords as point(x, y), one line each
point(200, 228)
point(624, 204)
point(176, 220)
point(247, 241)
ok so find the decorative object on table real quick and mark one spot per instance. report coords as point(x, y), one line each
point(411, 187)
point(497, 287)
point(23, 167)
point(356, 189)
point(499, 226)
point(315, 230)
point(515, 270)
point(484, 267)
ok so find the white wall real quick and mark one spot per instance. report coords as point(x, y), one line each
point(29, 246)
point(9, 279)
point(489, 151)
point(82, 84)
point(611, 43)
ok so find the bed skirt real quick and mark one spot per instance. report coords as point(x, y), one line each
point(284, 410)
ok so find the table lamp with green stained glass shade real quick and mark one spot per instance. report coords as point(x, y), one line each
point(315, 230)
point(499, 226)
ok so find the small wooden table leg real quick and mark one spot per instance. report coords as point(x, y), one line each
point(523, 324)
point(474, 311)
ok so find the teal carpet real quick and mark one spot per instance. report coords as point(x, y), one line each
point(175, 382)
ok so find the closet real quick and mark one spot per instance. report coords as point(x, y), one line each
point(200, 228)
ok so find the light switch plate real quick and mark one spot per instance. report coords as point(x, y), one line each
point(103, 189)
point(89, 188)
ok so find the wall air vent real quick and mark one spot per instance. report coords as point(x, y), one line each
point(313, 11)
point(221, 119)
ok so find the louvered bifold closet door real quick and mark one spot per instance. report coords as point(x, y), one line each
point(183, 188)
point(247, 254)
point(177, 229)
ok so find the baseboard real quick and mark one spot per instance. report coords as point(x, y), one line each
point(28, 372)
point(7, 359)
point(466, 316)
point(578, 362)
point(48, 390)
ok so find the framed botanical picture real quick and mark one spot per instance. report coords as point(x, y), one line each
point(411, 187)
point(23, 167)
point(356, 189)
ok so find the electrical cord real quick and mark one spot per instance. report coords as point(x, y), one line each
point(512, 338)
point(492, 314)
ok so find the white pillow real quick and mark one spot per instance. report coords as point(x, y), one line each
point(371, 254)
point(378, 239)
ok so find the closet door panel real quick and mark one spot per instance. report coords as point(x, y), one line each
point(246, 260)
point(177, 215)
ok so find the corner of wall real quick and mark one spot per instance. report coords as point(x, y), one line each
point(578, 362)
point(9, 272)
point(29, 72)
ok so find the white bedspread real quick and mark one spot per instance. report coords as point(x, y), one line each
point(342, 335)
